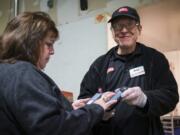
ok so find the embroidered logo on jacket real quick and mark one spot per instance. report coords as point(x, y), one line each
point(110, 69)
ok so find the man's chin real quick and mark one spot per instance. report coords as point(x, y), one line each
point(125, 45)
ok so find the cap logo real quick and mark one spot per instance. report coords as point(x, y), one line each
point(123, 10)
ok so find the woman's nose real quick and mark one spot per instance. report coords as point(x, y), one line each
point(51, 51)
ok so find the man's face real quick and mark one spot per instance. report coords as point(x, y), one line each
point(47, 50)
point(125, 32)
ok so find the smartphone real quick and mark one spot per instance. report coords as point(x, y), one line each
point(94, 98)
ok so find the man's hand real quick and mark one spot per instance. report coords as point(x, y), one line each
point(104, 100)
point(135, 96)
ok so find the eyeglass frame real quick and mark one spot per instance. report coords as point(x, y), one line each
point(128, 26)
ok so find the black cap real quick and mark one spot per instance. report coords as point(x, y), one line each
point(125, 11)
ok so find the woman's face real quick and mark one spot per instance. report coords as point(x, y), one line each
point(47, 49)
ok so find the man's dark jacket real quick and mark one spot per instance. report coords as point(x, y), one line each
point(158, 84)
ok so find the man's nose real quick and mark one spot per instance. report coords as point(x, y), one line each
point(124, 29)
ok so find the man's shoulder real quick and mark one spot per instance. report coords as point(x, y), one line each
point(149, 50)
point(106, 56)
point(153, 55)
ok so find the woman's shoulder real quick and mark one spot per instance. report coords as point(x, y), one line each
point(17, 68)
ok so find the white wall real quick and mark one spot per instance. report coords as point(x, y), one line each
point(68, 11)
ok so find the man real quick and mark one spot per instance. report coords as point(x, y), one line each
point(152, 89)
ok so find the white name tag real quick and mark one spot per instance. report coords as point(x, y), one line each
point(137, 71)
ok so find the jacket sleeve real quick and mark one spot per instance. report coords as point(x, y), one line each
point(91, 82)
point(164, 94)
point(39, 112)
point(94, 79)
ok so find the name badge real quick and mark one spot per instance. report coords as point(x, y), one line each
point(137, 71)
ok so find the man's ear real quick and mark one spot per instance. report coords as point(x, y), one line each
point(112, 31)
point(140, 29)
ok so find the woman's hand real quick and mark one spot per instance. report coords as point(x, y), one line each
point(79, 103)
point(104, 100)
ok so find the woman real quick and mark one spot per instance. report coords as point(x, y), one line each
point(31, 103)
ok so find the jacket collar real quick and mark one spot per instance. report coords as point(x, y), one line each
point(137, 52)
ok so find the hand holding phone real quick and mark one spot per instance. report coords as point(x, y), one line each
point(117, 96)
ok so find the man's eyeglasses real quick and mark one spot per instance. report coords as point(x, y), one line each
point(129, 26)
